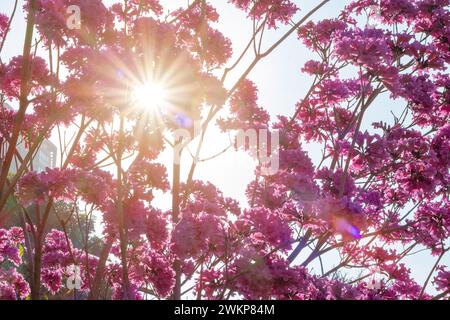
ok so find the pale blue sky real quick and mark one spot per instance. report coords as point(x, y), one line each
point(281, 85)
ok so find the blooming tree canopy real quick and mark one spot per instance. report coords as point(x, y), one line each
point(134, 79)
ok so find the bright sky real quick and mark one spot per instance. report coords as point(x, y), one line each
point(281, 85)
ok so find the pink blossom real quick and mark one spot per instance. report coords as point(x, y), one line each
point(245, 110)
point(52, 16)
point(442, 280)
point(10, 240)
point(276, 10)
point(155, 269)
point(315, 67)
point(270, 226)
point(4, 20)
point(11, 75)
point(433, 224)
point(319, 35)
point(368, 47)
point(13, 285)
point(36, 187)
point(194, 235)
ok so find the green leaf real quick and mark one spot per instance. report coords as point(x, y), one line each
point(21, 250)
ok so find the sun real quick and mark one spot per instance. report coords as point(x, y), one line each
point(150, 95)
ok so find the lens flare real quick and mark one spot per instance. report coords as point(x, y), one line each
point(346, 228)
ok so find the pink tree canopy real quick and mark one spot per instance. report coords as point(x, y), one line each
point(135, 80)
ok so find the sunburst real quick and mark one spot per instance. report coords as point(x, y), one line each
point(150, 95)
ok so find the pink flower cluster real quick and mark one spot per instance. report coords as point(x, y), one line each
point(196, 235)
point(10, 240)
point(3, 26)
point(52, 20)
point(13, 285)
point(10, 75)
point(153, 268)
point(442, 280)
point(245, 110)
point(36, 187)
point(275, 11)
